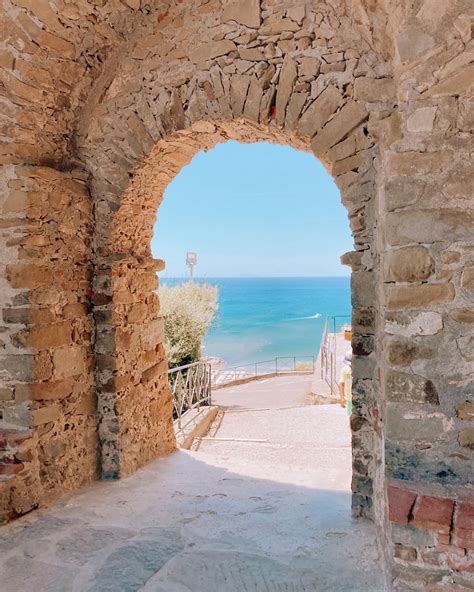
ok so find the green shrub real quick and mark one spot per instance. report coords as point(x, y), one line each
point(188, 309)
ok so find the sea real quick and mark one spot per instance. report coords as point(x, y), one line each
point(263, 318)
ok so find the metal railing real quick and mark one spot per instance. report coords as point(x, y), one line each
point(191, 388)
point(275, 366)
point(328, 351)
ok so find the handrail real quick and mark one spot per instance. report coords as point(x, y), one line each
point(191, 388)
point(273, 366)
point(328, 353)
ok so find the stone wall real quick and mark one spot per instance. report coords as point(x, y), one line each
point(134, 398)
point(128, 91)
point(270, 73)
point(48, 406)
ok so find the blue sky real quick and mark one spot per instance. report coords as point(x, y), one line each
point(253, 210)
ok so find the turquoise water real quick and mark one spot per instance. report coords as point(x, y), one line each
point(261, 318)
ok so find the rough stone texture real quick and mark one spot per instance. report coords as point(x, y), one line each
point(49, 369)
point(103, 103)
point(408, 264)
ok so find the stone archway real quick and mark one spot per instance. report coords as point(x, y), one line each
point(163, 103)
point(127, 313)
point(381, 91)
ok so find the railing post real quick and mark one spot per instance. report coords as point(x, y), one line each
point(210, 386)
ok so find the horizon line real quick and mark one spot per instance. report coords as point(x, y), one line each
point(251, 277)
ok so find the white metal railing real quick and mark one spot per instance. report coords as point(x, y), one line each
point(275, 366)
point(328, 352)
point(191, 388)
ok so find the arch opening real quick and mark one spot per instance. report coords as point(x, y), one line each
point(126, 274)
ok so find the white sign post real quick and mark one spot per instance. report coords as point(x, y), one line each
point(191, 261)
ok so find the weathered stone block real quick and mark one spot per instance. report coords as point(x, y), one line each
point(417, 163)
point(356, 163)
point(28, 276)
point(153, 373)
point(16, 202)
point(462, 315)
point(374, 90)
point(245, 12)
point(252, 54)
point(460, 83)
point(408, 264)
point(214, 49)
point(50, 336)
point(413, 324)
point(349, 117)
point(16, 315)
point(239, 89)
point(412, 43)
point(363, 320)
point(153, 333)
point(44, 391)
point(466, 438)
point(44, 415)
point(421, 296)
point(449, 257)
point(403, 423)
point(405, 553)
point(422, 120)
point(42, 366)
point(137, 313)
point(254, 98)
point(465, 410)
point(363, 289)
point(68, 361)
point(288, 75)
point(403, 353)
point(293, 111)
point(467, 281)
point(401, 387)
point(320, 110)
point(363, 345)
point(410, 536)
point(17, 367)
point(6, 393)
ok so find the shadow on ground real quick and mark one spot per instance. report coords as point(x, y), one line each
point(185, 524)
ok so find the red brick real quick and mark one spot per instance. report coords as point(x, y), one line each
point(464, 525)
point(7, 469)
point(433, 513)
point(461, 562)
point(400, 503)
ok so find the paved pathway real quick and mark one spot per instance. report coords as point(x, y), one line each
point(281, 391)
point(271, 515)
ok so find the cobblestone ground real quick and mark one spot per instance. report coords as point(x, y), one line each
point(262, 505)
